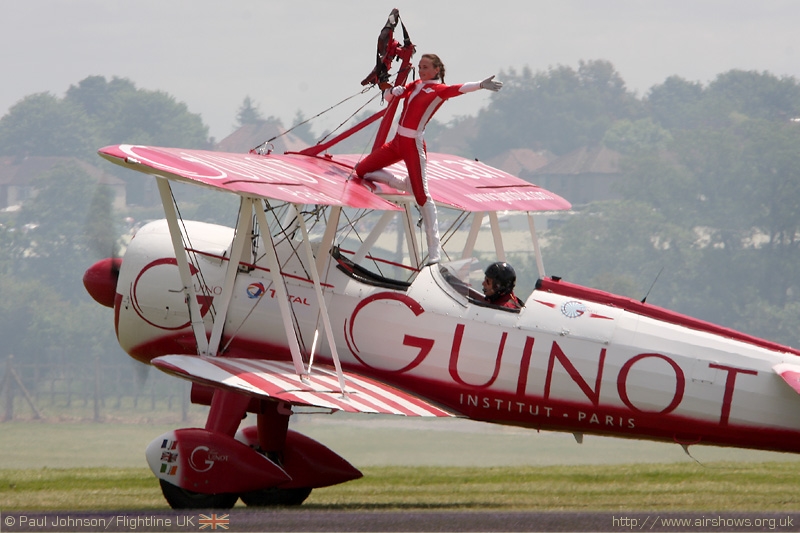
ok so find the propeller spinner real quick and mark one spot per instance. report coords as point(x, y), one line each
point(100, 280)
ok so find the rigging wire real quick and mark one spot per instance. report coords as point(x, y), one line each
point(448, 234)
point(375, 133)
point(350, 225)
point(244, 320)
point(354, 113)
point(281, 230)
point(192, 255)
point(277, 212)
point(260, 149)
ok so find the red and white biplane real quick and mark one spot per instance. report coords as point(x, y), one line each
point(288, 309)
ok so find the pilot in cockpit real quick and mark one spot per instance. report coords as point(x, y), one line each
point(498, 286)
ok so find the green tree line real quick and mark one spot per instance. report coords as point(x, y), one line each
point(710, 191)
point(710, 194)
point(47, 245)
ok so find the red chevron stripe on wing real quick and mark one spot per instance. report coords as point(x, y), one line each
point(377, 399)
point(277, 379)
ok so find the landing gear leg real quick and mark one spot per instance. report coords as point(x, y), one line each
point(227, 410)
point(273, 424)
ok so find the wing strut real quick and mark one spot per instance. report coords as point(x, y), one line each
point(328, 237)
point(283, 296)
point(372, 238)
point(497, 236)
point(280, 289)
point(198, 326)
point(326, 321)
point(536, 250)
point(475, 228)
point(411, 237)
point(239, 240)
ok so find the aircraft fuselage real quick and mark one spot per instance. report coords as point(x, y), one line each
point(561, 363)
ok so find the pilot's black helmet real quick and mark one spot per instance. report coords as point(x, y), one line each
point(503, 276)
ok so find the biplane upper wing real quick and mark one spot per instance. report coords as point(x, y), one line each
point(470, 185)
point(294, 178)
point(279, 380)
point(458, 182)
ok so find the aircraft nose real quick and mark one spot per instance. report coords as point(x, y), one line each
point(100, 280)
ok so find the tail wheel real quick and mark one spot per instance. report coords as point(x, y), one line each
point(275, 496)
point(179, 498)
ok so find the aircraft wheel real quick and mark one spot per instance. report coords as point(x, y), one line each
point(179, 498)
point(275, 496)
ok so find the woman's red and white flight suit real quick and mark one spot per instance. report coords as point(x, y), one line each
point(423, 99)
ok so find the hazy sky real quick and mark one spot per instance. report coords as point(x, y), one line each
point(294, 54)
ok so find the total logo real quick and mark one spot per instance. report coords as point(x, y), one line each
point(202, 459)
point(255, 290)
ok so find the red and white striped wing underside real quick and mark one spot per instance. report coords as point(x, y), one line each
point(278, 380)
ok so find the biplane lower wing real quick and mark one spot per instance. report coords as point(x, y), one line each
point(790, 374)
point(295, 178)
point(278, 380)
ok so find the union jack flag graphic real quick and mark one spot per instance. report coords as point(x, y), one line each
point(214, 521)
point(169, 457)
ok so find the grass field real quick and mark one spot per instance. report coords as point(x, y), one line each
point(664, 487)
point(364, 441)
point(409, 464)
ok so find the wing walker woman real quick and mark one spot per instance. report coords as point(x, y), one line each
point(423, 98)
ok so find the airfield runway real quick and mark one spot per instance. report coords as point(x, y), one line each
point(300, 520)
point(416, 521)
point(381, 441)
